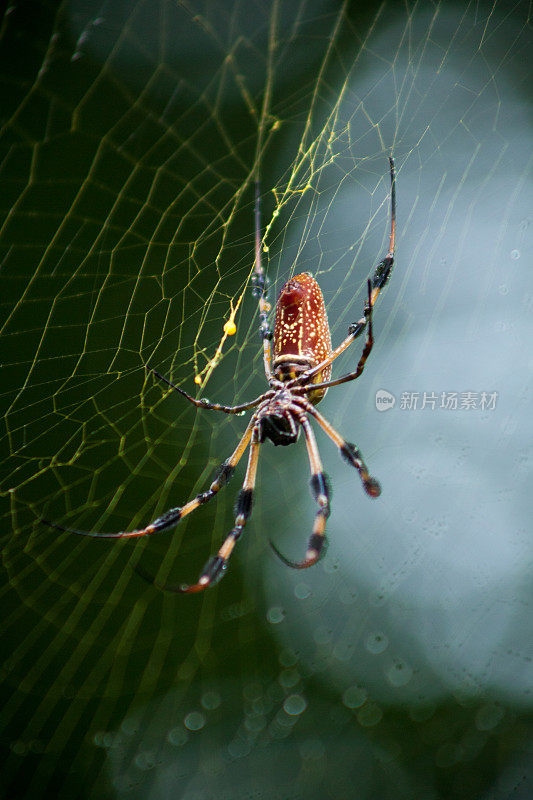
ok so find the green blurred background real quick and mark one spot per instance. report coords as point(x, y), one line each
point(400, 667)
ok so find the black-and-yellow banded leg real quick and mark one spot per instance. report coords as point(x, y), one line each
point(214, 568)
point(321, 493)
point(350, 452)
point(171, 518)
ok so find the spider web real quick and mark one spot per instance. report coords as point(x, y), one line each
point(132, 134)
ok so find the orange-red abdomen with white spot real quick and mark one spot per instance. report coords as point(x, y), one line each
point(301, 332)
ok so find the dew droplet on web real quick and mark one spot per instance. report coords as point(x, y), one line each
point(376, 643)
point(354, 697)
point(294, 705)
point(194, 721)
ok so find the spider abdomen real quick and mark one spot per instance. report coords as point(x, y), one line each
point(301, 332)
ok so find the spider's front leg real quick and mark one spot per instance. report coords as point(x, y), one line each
point(369, 340)
point(205, 403)
point(380, 277)
point(313, 387)
point(383, 270)
point(260, 288)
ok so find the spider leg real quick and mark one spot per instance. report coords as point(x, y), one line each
point(383, 270)
point(351, 376)
point(171, 518)
point(204, 403)
point(321, 493)
point(215, 567)
point(260, 287)
point(350, 452)
point(379, 279)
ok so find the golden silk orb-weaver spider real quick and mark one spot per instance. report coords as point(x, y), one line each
point(299, 374)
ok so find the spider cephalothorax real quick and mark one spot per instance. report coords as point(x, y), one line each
point(278, 424)
point(299, 374)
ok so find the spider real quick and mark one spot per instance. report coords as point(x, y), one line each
point(298, 375)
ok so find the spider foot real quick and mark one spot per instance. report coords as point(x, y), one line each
point(312, 555)
point(372, 486)
point(193, 587)
point(352, 455)
point(211, 573)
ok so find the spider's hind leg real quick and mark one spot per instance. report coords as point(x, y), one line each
point(171, 518)
point(352, 455)
point(350, 452)
point(215, 567)
point(321, 493)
